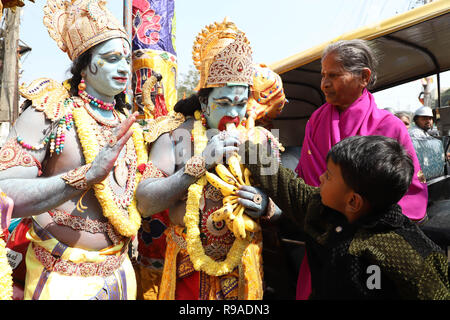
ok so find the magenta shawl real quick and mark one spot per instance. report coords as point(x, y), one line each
point(326, 127)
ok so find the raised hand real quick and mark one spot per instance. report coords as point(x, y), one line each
point(104, 161)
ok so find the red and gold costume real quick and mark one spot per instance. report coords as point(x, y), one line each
point(204, 260)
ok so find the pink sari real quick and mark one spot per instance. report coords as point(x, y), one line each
point(326, 127)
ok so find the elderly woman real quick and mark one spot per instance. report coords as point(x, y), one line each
point(405, 117)
point(348, 71)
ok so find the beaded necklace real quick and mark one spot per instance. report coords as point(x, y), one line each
point(93, 101)
point(102, 120)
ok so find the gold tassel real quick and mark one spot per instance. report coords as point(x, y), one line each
point(80, 206)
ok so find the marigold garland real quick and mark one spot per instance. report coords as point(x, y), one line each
point(199, 135)
point(6, 282)
point(126, 226)
point(192, 220)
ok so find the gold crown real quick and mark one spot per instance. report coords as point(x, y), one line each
point(222, 55)
point(78, 25)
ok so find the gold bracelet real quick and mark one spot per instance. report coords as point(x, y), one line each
point(195, 166)
point(77, 177)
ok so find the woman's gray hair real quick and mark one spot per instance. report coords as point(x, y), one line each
point(406, 114)
point(354, 55)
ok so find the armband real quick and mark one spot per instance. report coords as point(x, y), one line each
point(12, 155)
point(77, 177)
point(151, 171)
point(195, 166)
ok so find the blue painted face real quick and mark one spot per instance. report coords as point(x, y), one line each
point(109, 71)
point(225, 104)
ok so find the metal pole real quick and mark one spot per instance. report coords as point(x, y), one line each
point(128, 17)
point(438, 89)
point(127, 23)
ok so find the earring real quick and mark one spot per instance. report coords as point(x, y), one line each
point(203, 120)
point(82, 85)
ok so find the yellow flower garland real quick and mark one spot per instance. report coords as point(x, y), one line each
point(192, 220)
point(126, 226)
point(6, 282)
point(199, 135)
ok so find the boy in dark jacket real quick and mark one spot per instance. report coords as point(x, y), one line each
point(359, 244)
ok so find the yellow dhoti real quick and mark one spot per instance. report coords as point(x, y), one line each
point(58, 272)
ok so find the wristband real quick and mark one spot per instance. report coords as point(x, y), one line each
point(77, 177)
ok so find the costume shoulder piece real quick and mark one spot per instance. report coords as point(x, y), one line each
point(162, 124)
point(47, 95)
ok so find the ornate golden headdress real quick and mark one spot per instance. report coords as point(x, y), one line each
point(267, 97)
point(77, 25)
point(222, 55)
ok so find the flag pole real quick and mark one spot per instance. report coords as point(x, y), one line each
point(128, 17)
point(127, 23)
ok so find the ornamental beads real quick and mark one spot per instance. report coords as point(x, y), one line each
point(94, 102)
point(30, 147)
point(57, 142)
point(204, 121)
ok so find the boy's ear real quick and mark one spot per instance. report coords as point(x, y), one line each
point(355, 203)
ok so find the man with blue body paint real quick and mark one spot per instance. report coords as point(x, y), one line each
point(70, 163)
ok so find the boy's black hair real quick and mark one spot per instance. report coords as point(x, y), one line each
point(376, 167)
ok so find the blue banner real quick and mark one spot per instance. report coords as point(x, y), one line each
point(154, 25)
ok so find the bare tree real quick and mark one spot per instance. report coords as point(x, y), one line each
point(187, 83)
